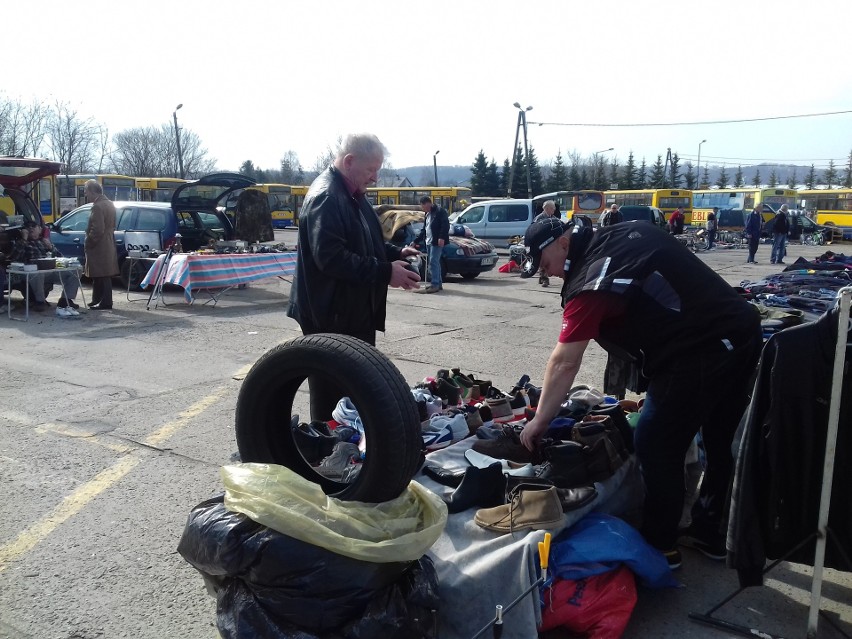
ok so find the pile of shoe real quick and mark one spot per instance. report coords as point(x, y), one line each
point(331, 448)
point(508, 493)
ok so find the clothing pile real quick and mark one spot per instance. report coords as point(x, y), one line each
point(810, 286)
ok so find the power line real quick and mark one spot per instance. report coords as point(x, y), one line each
point(719, 157)
point(776, 117)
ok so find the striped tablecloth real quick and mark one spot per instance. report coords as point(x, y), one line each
point(193, 272)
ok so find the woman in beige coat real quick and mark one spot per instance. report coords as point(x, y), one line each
point(101, 256)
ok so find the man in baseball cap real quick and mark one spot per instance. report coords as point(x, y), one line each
point(538, 237)
point(644, 298)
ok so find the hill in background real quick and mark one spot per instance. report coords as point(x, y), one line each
point(460, 175)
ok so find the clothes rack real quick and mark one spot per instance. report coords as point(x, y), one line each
point(822, 533)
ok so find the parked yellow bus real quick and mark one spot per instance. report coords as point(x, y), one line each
point(735, 204)
point(281, 205)
point(571, 203)
point(832, 207)
point(298, 192)
point(157, 189)
point(452, 198)
point(667, 200)
point(70, 189)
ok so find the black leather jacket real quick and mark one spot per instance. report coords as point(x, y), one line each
point(439, 220)
point(344, 264)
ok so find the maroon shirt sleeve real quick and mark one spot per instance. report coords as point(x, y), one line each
point(582, 315)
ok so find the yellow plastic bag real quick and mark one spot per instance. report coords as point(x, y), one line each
point(402, 529)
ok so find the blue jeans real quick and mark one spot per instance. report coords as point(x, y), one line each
point(435, 253)
point(779, 247)
point(707, 392)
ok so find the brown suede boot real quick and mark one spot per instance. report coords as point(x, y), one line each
point(529, 507)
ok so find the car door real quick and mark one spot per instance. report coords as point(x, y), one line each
point(68, 234)
point(474, 218)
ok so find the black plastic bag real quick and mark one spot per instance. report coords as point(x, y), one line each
point(273, 586)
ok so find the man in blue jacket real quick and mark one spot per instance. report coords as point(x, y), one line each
point(437, 228)
point(753, 226)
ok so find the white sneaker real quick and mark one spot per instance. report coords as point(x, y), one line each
point(62, 312)
point(72, 311)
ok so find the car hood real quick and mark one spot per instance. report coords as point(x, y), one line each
point(207, 192)
point(20, 171)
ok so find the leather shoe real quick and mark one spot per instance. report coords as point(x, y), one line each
point(484, 487)
point(575, 498)
point(98, 307)
point(530, 506)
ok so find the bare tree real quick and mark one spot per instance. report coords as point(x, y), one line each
point(135, 152)
point(196, 161)
point(291, 168)
point(79, 144)
point(22, 127)
point(152, 152)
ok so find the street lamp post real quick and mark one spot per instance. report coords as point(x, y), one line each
point(698, 175)
point(595, 175)
point(177, 140)
point(435, 165)
point(522, 122)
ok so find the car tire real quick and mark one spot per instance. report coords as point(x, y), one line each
point(132, 273)
point(469, 276)
point(375, 386)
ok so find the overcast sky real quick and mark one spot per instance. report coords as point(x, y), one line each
point(257, 79)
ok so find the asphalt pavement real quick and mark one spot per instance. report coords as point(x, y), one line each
point(114, 425)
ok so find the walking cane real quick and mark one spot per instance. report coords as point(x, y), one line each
point(497, 622)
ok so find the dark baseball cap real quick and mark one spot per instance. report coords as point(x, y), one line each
point(538, 237)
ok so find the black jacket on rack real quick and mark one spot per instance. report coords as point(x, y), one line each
point(778, 478)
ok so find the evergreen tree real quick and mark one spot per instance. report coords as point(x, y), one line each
point(738, 178)
point(773, 179)
point(690, 176)
point(658, 174)
point(585, 183)
point(811, 178)
point(613, 175)
point(756, 180)
point(722, 182)
point(535, 174)
point(629, 175)
point(676, 177)
point(247, 168)
point(575, 182)
point(519, 180)
point(558, 179)
point(792, 179)
point(830, 175)
point(641, 176)
point(705, 180)
point(847, 175)
point(492, 180)
point(504, 178)
point(479, 175)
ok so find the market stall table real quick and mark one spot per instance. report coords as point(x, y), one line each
point(12, 270)
point(219, 272)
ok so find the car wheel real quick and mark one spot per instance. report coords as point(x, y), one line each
point(132, 273)
point(376, 388)
point(469, 276)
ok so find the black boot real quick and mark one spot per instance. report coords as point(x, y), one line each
point(619, 420)
point(483, 487)
point(565, 466)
